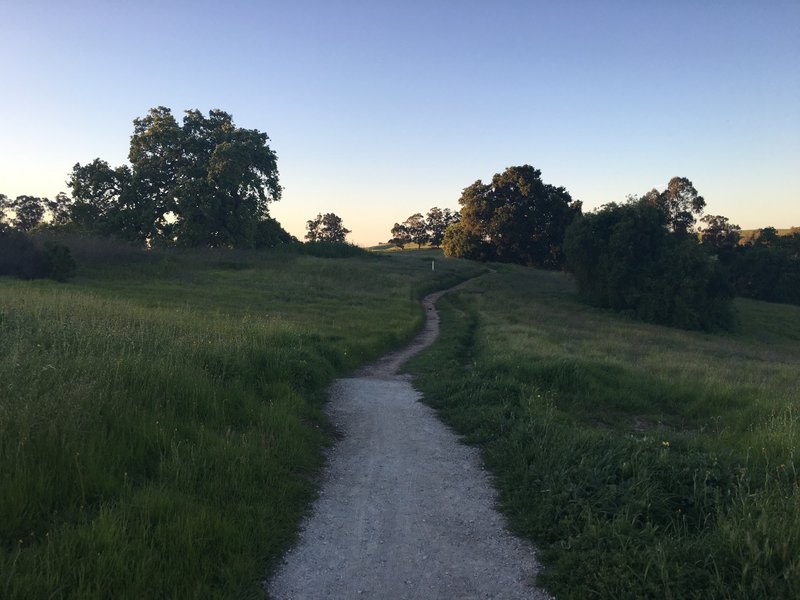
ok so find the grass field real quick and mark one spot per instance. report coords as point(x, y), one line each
point(160, 423)
point(645, 462)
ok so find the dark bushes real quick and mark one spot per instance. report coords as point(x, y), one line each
point(21, 257)
point(769, 269)
point(625, 258)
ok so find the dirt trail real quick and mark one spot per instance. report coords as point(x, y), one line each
point(405, 509)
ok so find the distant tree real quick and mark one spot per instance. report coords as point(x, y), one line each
point(400, 236)
point(517, 218)
point(680, 202)
point(28, 211)
point(4, 205)
point(326, 228)
point(59, 209)
point(768, 236)
point(720, 236)
point(437, 221)
point(417, 229)
point(205, 183)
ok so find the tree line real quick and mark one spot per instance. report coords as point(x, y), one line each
point(420, 230)
point(646, 256)
point(201, 182)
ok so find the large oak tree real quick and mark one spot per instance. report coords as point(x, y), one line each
point(515, 218)
point(203, 183)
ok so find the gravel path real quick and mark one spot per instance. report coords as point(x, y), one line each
point(405, 509)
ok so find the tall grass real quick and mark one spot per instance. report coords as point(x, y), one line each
point(645, 462)
point(160, 422)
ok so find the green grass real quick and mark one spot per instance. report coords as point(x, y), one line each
point(160, 417)
point(645, 462)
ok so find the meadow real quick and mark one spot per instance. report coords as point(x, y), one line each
point(643, 461)
point(160, 416)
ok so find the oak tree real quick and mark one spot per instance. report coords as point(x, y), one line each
point(203, 183)
point(326, 228)
point(437, 221)
point(400, 236)
point(515, 218)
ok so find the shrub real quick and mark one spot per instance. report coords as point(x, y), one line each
point(59, 262)
point(769, 270)
point(21, 257)
point(625, 258)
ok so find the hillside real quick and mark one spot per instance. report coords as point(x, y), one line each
point(644, 462)
point(160, 424)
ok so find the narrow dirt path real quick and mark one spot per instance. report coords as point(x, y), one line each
point(405, 510)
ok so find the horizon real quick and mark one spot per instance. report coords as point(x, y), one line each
point(378, 112)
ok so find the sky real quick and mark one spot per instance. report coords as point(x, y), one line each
point(378, 110)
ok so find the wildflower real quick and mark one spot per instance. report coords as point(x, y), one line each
point(665, 443)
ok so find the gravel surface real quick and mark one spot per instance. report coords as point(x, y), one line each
point(405, 509)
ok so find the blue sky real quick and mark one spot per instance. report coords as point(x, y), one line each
point(378, 109)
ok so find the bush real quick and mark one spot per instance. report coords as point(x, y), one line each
point(269, 234)
point(21, 257)
point(59, 262)
point(331, 249)
point(624, 258)
point(769, 271)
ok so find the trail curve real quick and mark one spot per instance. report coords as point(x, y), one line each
point(405, 510)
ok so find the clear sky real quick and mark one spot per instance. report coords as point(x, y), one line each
point(381, 109)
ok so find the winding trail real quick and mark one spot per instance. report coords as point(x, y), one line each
point(405, 510)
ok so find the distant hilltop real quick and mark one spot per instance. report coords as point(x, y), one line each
point(748, 235)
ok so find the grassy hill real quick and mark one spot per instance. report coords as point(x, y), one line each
point(160, 423)
point(645, 462)
point(161, 431)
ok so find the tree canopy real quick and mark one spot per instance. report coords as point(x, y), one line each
point(326, 228)
point(437, 221)
point(768, 267)
point(421, 230)
point(401, 236)
point(203, 183)
point(680, 204)
point(629, 257)
point(516, 218)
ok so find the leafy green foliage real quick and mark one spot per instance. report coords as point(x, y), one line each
point(417, 229)
point(203, 183)
point(517, 218)
point(423, 230)
point(720, 236)
point(326, 228)
point(463, 243)
point(401, 237)
point(680, 202)
point(644, 462)
point(4, 206)
point(28, 211)
point(22, 257)
point(625, 258)
point(768, 268)
point(437, 221)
